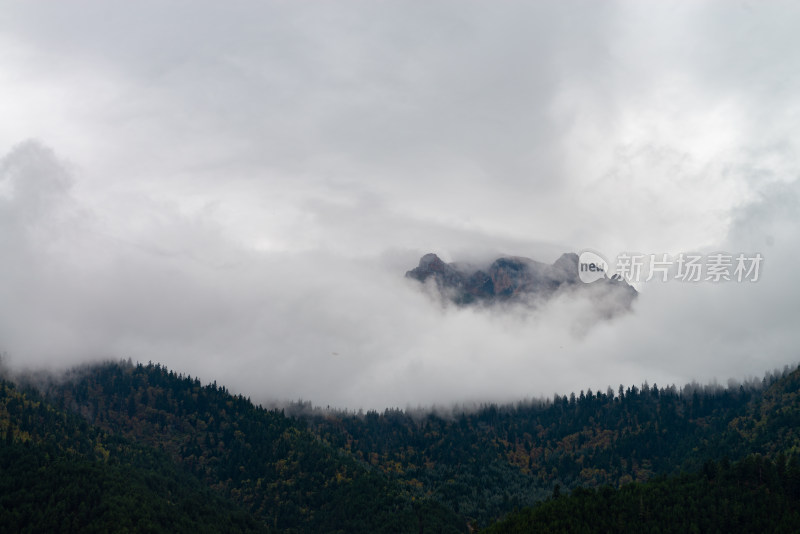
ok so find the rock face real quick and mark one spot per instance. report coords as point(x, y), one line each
point(511, 279)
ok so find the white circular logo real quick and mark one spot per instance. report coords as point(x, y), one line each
point(591, 266)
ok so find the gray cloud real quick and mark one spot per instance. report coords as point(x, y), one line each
point(236, 191)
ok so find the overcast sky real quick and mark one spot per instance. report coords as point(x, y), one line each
point(235, 189)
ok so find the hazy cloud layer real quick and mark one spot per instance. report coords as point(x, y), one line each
point(236, 191)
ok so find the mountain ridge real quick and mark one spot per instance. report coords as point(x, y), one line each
point(517, 279)
point(392, 471)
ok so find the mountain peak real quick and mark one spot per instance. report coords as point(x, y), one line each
point(514, 278)
point(431, 261)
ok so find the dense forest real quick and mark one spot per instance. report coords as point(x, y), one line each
point(484, 463)
point(259, 461)
point(60, 474)
point(753, 495)
point(147, 449)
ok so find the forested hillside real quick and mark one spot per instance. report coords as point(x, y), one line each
point(487, 462)
point(754, 495)
point(60, 474)
point(149, 449)
point(265, 462)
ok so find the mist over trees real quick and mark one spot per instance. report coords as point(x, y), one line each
point(301, 468)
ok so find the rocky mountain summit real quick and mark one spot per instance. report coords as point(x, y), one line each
point(512, 279)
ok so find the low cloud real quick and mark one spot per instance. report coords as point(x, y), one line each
point(237, 190)
point(351, 331)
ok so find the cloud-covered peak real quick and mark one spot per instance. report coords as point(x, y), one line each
point(247, 185)
point(522, 280)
